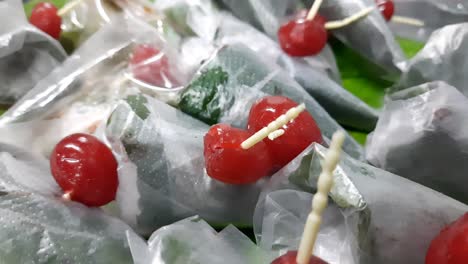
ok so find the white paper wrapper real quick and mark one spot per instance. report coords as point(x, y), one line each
point(433, 13)
point(26, 53)
point(428, 129)
point(39, 227)
point(443, 58)
point(373, 216)
point(192, 240)
point(161, 169)
point(234, 78)
point(79, 95)
point(370, 36)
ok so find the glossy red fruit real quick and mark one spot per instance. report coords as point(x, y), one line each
point(299, 133)
point(290, 258)
point(303, 37)
point(44, 16)
point(226, 161)
point(150, 65)
point(86, 169)
point(451, 245)
point(387, 8)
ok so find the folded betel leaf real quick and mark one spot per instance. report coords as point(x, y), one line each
point(427, 125)
point(40, 227)
point(26, 53)
point(374, 216)
point(98, 70)
point(443, 58)
point(310, 72)
point(268, 16)
point(234, 78)
point(370, 36)
point(433, 14)
point(192, 240)
point(161, 169)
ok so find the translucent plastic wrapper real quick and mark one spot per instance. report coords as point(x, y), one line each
point(161, 169)
point(221, 28)
point(39, 227)
point(234, 78)
point(268, 16)
point(443, 58)
point(26, 53)
point(192, 240)
point(80, 94)
point(433, 13)
point(370, 36)
point(88, 16)
point(373, 216)
point(428, 129)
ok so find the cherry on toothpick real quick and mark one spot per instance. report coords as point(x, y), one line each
point(150, 65)
point(44, 16)
point(290, 258)
point(85, 169)
point(302, 37)
point(226, 161)
point(387, 8)
point(298, 133)
point(451, 245)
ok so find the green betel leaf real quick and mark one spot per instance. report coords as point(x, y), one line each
point(137, 103)
point(201, 98)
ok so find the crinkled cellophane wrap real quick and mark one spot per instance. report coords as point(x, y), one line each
point(443, 58)
point(373, 216)
point(161, 169)
point(37, 226)
point(26, 53)
point(248, 79)
point(429, 138)
point(370, 36)
point(80, 94)
point(433, 13)
point(192, 240)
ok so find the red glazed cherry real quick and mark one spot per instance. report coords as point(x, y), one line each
point(451, 245)
point(290, 258)
point(299, 133)
point(226, 161)
point(303, 37)
point(85, 169)
point(150, 65)
point(387, 8)
point(45, 17)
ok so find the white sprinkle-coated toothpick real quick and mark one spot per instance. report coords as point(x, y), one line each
point(68, 7)
point(341, 23)
point(273, 126)
point(408, 21)
point(320, 199)
point(276, 134)
point(314, 9)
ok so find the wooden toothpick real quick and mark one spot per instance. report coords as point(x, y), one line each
point(320, 199)
point(68, 7)
point(341, 23)
point(273, 126)
point(314, 9)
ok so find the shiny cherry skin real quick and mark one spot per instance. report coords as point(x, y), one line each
point(86, 169)
point(44, 16)
point(150, 65)
point(299, 133)
point(387, 8)
point(290, 258)
point(451, 245)
point(227, 162)
point(302, 37)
